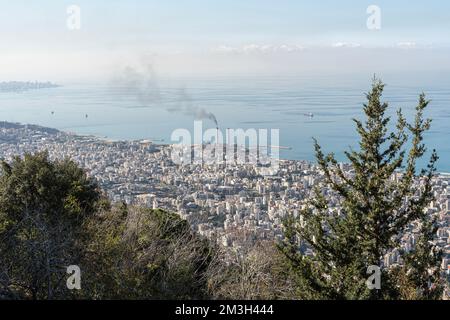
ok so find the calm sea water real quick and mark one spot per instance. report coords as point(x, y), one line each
point(118, 113)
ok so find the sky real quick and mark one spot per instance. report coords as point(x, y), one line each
point(198, 37)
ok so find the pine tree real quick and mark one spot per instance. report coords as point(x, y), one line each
point(378, 200)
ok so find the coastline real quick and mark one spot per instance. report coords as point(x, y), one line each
point(108, 140)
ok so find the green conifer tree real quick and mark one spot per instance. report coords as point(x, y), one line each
point(378, 200)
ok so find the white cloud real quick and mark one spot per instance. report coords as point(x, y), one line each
point(259, 49)
point(346, 45)
point(407, 45)
point(225, 49)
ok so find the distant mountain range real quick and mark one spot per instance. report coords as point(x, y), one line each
point(20, 86)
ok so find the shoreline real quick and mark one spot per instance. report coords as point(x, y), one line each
point(17, 125)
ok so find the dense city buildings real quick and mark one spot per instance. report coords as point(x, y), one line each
point(233, 205)
point(20, 86)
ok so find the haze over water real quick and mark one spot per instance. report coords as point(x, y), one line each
point(238, 102)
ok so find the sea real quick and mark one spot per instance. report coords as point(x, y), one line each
point(300, 107)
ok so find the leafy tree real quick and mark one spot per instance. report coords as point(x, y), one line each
point(52, 216)
point(43, 205)
point(259, 273)
point(377, 205)
point(139, 253)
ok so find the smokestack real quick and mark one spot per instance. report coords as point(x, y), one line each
point(217, 135)
point(229, 147)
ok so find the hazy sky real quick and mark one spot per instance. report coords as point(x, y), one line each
point(193, 37)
